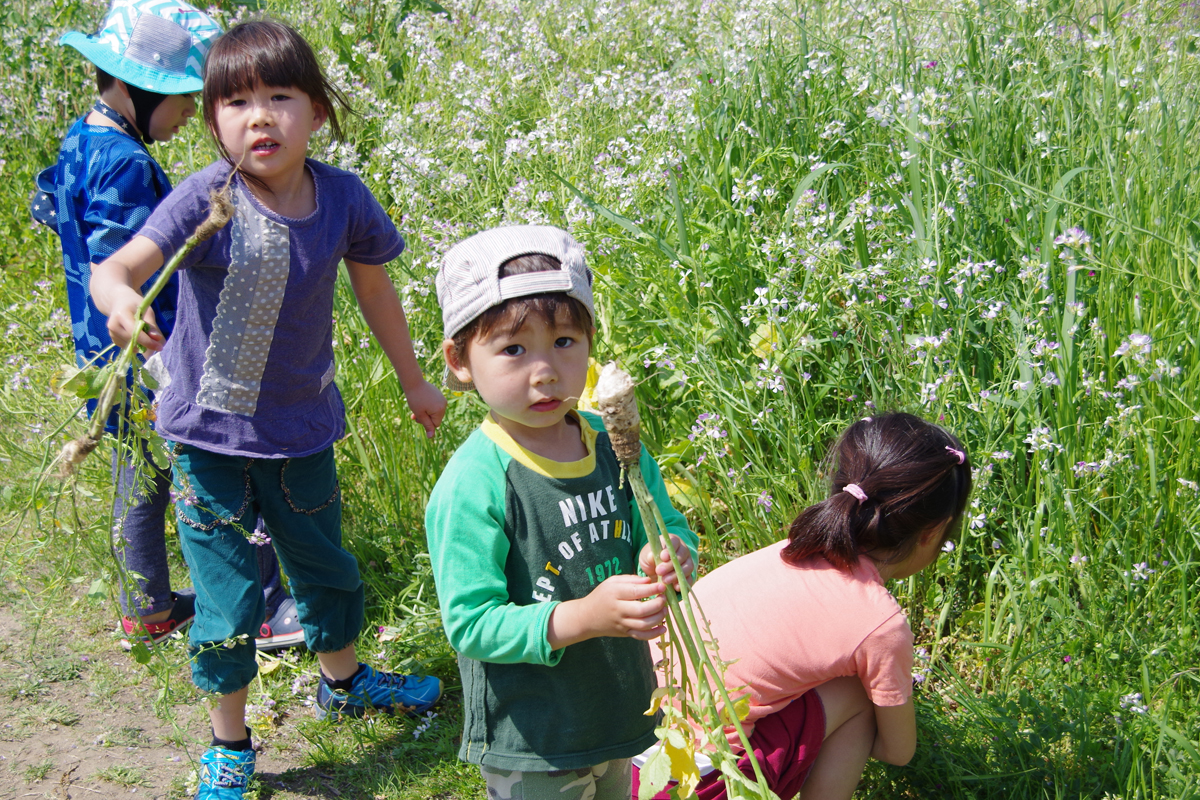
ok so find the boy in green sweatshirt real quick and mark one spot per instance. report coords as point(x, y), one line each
point(538, 550)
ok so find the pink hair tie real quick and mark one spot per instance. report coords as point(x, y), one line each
point(855, 491)
point(959, 454)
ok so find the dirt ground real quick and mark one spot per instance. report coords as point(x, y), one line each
point(78, 722)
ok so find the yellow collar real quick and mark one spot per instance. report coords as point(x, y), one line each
point(540, 464)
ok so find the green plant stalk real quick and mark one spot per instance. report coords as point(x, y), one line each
point(110, 396)
point(689, 607)
point(220, 210)
point(688, 631)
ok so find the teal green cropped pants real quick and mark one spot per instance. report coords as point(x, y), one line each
point(219, 499)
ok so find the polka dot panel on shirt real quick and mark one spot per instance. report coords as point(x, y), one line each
point(247, 311)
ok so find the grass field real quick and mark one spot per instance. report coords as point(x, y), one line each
point(984, 213)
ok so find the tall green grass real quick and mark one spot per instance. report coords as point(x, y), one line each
point(799, 214)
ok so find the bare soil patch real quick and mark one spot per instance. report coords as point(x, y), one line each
point(77, 720)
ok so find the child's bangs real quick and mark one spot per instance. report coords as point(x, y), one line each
point(551, 309)
point(243, 69)
point(263, 54)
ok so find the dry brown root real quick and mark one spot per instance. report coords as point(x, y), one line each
point(220, 209)
point(618, 406)
point(73, 454)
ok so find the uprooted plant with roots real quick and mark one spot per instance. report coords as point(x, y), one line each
point(697, 707)
point(109, 384)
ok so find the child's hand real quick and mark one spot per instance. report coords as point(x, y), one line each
point(121, 325)
point(617, 607)
point(428, 405)
point(664, 569)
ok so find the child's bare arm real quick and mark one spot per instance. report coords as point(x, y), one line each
point(614, 608)
point(384, 314)
point(895, 733)
point(116, 290)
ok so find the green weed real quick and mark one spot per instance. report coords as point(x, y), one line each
point(37, 772)
point(121, 775)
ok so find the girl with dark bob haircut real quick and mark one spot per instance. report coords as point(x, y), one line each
point(271, 54)
point(248, 397)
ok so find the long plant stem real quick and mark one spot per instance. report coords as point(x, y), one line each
point(220, 210)
point(688, 632)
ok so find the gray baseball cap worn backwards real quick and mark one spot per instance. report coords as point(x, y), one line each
point(469, 283)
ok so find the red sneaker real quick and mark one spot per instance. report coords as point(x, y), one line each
point(151, 633)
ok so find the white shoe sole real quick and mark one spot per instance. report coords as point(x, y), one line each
point(280, 641)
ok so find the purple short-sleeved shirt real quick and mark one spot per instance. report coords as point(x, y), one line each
point(249, 366)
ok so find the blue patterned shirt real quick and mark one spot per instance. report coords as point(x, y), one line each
point(104, 186)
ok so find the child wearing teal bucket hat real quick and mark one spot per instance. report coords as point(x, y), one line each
point(149, 57)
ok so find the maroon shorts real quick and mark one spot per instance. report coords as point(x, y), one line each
point(786, 744)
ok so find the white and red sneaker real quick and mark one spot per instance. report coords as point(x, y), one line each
point(282, 629)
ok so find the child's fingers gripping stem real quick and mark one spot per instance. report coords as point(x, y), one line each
point(121, 326)
point(663, 568)
point(623, 605)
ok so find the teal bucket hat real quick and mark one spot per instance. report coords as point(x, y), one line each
point(156, 45)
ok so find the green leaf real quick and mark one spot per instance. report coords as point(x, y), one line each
point(85, 382)
point(148, 380)
point(626, 223)
point(805, 184)
point(655, 775)
point(435, 8)
point(140, 653)
point(98, 590)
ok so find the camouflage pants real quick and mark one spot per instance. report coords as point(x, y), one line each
point(608, 781)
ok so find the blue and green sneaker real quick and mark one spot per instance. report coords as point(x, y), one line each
point(224, 774)
point(384, 692)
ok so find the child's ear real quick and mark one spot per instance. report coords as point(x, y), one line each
point(320, 115)
point(458, 366)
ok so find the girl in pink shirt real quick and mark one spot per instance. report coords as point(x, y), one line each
point(828, 664)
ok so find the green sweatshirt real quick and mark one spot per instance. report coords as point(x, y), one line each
point(511, 535)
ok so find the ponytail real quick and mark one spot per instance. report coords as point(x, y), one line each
point(895, 477)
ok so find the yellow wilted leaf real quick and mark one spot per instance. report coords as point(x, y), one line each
point(682, 493)
point(587, 400)
point(267, 665)
point(683, 764)
point(656, 699)
point(741, 708)
point(765, 339)
point(688, 783)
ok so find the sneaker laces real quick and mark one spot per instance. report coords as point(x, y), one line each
point(229, 775)
point(392, 679)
